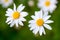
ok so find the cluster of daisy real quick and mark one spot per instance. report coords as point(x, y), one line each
point(40, 20)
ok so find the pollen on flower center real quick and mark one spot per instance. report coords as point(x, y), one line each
point(47, 3)
point(16, 15)
point(39, 22)
point(6, 0)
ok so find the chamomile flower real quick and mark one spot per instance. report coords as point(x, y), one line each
point(31, 3)
point(16, 16)
point(47, 5)
point(6, 3)
point(39, 22)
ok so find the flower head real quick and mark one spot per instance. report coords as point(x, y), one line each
point(6, 3)
point(47, 5)
point(16, 16)
point(40, 21)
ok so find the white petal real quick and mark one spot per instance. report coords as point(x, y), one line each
point(16, 22)
point(21, 23)
point(44, 31)
point(12, 24)
point(47, 26)
point(45, 9)
point(45, 14)
point(46, 18)
point(39, 14)
point(32, 27)
point(8, 19)
point(35, 31)
point(22, 19)
point(8, 15)
point(10, 10)
point(34, 17)
point(20, 8)
point(14, 7)
point(29, 25)
point(39, 4)
point(31, 21)
point(52, 8)
point(41, 30)
point(23, 14)
point(54, 1)
point(49, 21)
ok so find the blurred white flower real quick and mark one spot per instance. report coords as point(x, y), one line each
point(39, 22)
point(31, 3)
point(16, 16)
point(6, 3)
point(47, 5)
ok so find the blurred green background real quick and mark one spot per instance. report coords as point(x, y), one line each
point(23, 33)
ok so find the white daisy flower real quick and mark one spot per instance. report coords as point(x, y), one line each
point(39, 22)
point(31, 3)
point(6, 3)
point(47, 5)
point(16, 16)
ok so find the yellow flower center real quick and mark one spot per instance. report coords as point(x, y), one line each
point(47, 3)
point(6, 0)
point(16, 15)
point(39, 22)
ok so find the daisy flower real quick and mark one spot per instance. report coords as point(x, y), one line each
point(16, 16)
point(31, 3)
point(39, 22)
point(47, 5)
point(6, 3)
